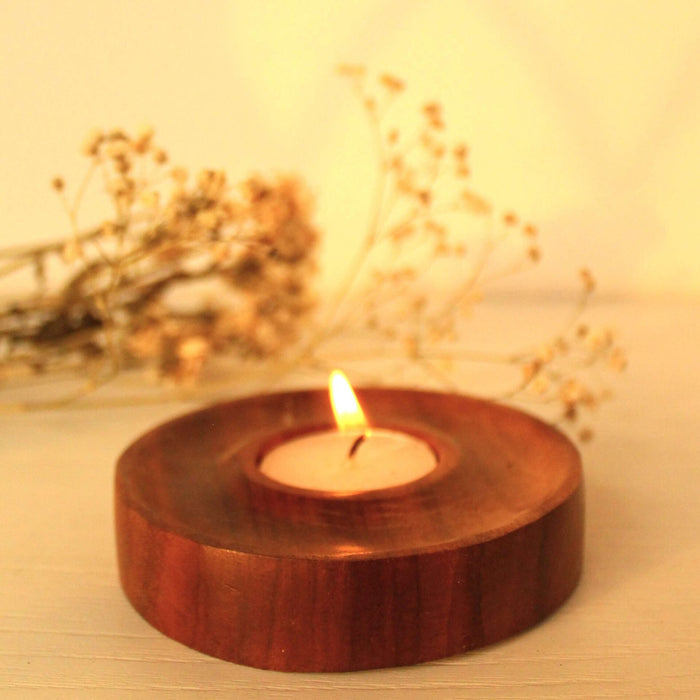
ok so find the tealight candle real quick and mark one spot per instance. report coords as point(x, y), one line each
point(222, 558)
point(353, 458)
point(339, 461)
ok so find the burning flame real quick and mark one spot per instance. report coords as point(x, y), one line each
point(346, 408)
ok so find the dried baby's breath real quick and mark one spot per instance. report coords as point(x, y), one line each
point(433, 247)
point(169, 230)
point(425, 204)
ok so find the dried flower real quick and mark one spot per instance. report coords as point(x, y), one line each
point(92, 143)
point(126, 297)
point(352, 70)
point(587, 279)
point(114, 307)
point(392, 83)
point(510, 218)
point(433, 113)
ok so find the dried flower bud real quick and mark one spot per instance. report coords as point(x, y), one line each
point(391, 83)
point(144, 136)
point(441, 249)
point(117, 135)
point(433, 113)
point(58, 184)
point(585, 434)
point(460, 151)
point(587, 278)
point(618, 360)
point(571, 412)
point(122, 165)
point(92, 142)
point(572, 391)
point(118, 148)
point(531, 369)
point(475, 203)
point(599, 339)
point(351, 70)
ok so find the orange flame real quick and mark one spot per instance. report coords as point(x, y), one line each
point(346, 408)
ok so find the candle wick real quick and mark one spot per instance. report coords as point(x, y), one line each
point(356, 445)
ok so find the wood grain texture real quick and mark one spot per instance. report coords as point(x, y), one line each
point(214, 556)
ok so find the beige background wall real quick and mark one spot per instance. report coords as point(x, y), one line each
point(582, 115)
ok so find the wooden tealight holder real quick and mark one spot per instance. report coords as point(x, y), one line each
point(221, 558)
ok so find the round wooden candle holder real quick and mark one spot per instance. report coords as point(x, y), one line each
point(219, 557)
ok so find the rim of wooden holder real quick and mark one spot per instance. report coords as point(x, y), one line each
point(271, 576)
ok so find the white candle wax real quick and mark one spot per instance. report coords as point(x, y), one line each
point(322, 461)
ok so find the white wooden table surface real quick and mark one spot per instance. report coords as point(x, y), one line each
point(631, 630)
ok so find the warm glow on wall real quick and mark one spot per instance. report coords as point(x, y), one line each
point(579, 115)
